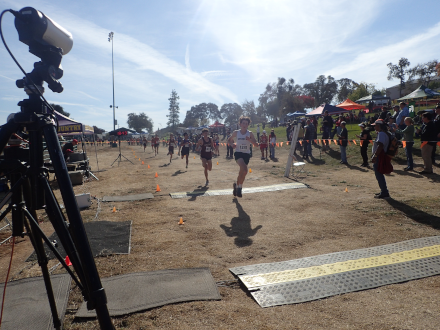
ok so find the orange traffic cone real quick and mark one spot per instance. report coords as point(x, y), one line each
point(194, 157)
point(346, 189)
point(181, 221)
point(156, 176)
point(67, 261)
point(139, 159)
point(148, 165)
point(114, 209)
point(250, 170)
point(217, 163)
point(143, 163)
point(157, 188)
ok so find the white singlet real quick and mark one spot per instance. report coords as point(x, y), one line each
point(242, 144)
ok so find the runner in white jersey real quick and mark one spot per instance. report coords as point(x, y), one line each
point(242, 151)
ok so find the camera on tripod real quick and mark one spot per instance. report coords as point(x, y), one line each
point(30, 189)
point(47, 40)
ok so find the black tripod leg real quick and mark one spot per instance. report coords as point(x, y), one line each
point(127, 158)
point(37, 242)
point(93, 283)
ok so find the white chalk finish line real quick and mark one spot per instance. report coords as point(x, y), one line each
point(202, 193)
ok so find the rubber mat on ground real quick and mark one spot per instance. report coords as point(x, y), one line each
point(128, 198)
point(312, 278)
point(105, 238)
point(27, 306)
point(141, 291)
point(275, 187)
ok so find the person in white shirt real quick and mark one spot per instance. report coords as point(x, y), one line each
point(242, 154)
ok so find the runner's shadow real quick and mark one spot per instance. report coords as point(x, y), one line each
point(354, 167)
point(177, 173)
point(408, 173)
point(415, 214)
point(200, 189)
point(164, 165)
point(241, 228)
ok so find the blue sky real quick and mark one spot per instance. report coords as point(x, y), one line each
point(218, 51)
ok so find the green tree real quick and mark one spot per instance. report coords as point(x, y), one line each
point(199, 114)
point(362, 90)
point(231, 112)
point(250, 110)
point(173, 117)
point(345, 87)
point(423, 73)
point(399, 71)
point(98, 130)
point(140, 122)
point(58, 108)
point(323, 89)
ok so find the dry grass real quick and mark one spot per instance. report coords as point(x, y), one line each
point(222, 232)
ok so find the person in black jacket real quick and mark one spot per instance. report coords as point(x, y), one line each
point(437, 130)
point(343, 141)
point(428, 136)
point(365, 138)
point(327, 124)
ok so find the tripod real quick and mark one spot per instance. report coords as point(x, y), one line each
point(119, 159)
point(30, 191)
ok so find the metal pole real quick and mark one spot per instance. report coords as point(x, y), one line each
point(110, 38)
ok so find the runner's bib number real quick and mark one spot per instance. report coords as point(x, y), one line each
point(187, 145)
point(207, 149)
point(243, 147)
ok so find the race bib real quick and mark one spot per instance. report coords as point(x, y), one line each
point(187, 145)
point(207, 149)
point(243, 147)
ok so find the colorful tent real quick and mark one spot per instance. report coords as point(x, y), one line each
point(420, 93)
point(216, 124)
point(68, 126)
point(332, 110)
point(350, 105)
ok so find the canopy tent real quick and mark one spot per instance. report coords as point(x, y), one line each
point(350, 105)
point(121, 131)
point(68, 126)
point(295, 114)
point(420, 93)
point(379, 99)
point(216, 124)
point(332, 110)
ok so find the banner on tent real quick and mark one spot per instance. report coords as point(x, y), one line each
point(69, 128)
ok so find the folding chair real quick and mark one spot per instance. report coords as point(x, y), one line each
point(298, 170)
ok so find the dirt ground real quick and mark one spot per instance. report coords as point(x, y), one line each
point(221, 232)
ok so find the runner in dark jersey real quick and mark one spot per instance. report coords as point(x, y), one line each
point(156, 145)
point(206, 146)
point(144, 141)
point(171, 145)
point(185, 144)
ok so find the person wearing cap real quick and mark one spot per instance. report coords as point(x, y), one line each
point(69, 146)
point(428, 136)
point(404, 112)
point(384, 115)
point(263, 144)
point(343, 141)
point(380, 147)
point(365, 138)
point(408, 137)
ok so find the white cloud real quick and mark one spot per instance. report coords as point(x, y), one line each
point(7, 78)
point(216, 73)
point(89, 96)
point(187, 63)
point(268, 39)
point(369, 65)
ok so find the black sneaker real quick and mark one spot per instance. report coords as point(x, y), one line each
point(239, 192)
point(234, 192)
point(381, 196)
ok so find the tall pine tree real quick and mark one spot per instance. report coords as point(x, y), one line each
point(173, 117)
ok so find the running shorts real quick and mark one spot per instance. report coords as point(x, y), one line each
point(244, 156)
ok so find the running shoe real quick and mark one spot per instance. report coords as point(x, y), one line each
point(239, 192)
point(186, 166)
point(207, 182)
point(234, 192)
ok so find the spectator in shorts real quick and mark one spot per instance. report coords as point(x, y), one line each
point(263, 144)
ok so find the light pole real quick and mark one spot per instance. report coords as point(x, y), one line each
point(110, 39)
